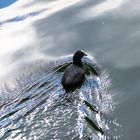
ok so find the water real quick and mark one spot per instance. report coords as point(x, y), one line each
point(35, 106)
point(34, 33)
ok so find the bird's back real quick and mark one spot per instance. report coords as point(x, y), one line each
point(73, 77)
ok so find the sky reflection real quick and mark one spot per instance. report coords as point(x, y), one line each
point(6, 3)
point(17, 33)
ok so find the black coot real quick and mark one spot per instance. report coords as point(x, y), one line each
point(74, 74)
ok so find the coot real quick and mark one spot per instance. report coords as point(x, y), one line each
point(74, 74)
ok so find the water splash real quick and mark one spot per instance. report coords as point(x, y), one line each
point(36, 106)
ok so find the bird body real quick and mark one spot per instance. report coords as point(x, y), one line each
point(74, 75)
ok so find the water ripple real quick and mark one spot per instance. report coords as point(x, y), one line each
point(42, 109)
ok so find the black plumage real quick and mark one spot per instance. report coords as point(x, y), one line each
point(74, 75)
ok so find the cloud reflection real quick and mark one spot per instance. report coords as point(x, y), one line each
point(99, 9)
point(23, 17)
point(17, 33)
point(20, 10)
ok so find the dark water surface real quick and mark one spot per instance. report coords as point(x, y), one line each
point(33, 104)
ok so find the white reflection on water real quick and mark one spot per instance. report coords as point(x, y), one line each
point(99, 9)
point(17, 32)
point(13, 38)
point(20, 8)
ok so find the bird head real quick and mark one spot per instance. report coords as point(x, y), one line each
point(78, 56)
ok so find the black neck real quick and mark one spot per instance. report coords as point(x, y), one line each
point(77, 61)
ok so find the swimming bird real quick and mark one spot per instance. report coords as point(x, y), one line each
point(74, 75)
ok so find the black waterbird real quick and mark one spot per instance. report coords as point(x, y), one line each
point(74, 75)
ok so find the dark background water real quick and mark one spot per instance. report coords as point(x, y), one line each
point(109, 30)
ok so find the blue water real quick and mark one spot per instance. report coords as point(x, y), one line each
point(35, 34)
point(6, 3)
